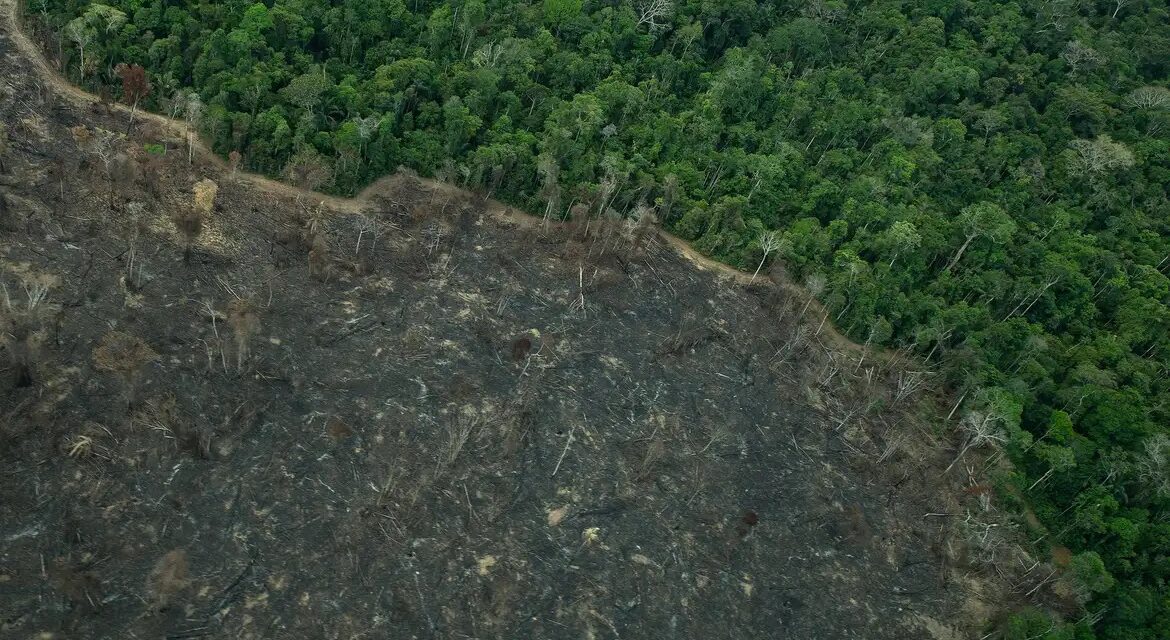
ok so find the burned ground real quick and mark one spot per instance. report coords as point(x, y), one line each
point(411, 417)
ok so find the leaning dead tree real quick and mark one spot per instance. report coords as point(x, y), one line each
point(980, 428)
point(909, 383)
point(769, 241)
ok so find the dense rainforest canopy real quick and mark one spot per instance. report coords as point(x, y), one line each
point(981, 183)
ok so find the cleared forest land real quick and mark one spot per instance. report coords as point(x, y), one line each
point(411, 415)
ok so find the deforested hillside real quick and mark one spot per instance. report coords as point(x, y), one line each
point(232, 408)
point(979, 185)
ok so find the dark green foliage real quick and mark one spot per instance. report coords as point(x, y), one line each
point(983, 182)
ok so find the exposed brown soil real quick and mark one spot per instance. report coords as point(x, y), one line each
point(457, 426)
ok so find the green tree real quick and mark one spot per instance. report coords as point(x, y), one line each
point(559, 12)
point(901, 237)
point(306, 91)
point(982, 220)
point(99, 22)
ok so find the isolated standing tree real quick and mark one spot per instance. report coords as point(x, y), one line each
point(551, 191)
point(124, 174)
point(367, 223)
point(189, 222)
point(984, 219)
point(24, 325)
point(102, 143)
point(124, 355)
point(769, 242)
point(814, 286)
point(135, 219)
point(135, 87)
point(319, 257)
point(192, 107)
point(234, 159)
point(995, 419)
point(879, 332)
point(189, 219)
point(497, 178)
point(203, 196)
point(244, 321)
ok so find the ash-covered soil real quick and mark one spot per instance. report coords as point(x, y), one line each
point(458, 426)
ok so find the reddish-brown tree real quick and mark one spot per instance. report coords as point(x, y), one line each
point(135, 87)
